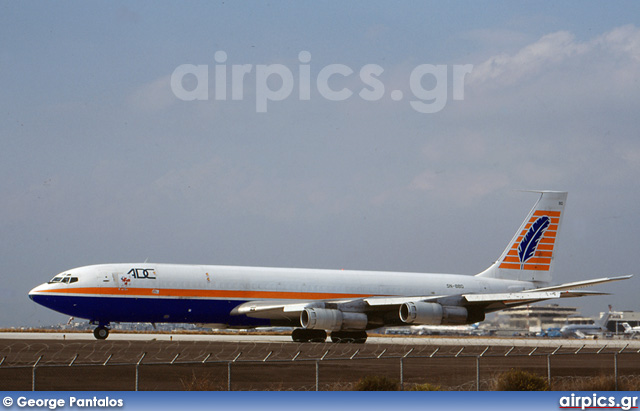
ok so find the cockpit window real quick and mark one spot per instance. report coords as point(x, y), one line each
point(63, 278)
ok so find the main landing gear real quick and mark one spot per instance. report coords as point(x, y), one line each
point(304, 335)
point(354, 337)
point(341, 337)
point(101, 332)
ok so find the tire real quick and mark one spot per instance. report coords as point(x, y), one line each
point(101, 333)
point(302, 335)
point(349, 337)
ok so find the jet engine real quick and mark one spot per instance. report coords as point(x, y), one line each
point(433, 314)
point(332, 320)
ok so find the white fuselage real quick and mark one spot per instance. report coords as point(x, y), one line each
point(208, 293)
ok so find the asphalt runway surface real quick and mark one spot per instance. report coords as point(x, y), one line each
point(273, 362)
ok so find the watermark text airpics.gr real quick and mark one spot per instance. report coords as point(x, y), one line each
point(598, 401)
point(428, 84)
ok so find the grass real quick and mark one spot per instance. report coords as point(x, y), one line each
point(377, 383)
point(519, 380)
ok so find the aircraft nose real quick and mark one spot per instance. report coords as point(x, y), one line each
point(35, 291)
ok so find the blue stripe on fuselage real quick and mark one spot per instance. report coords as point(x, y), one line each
point(152, 310)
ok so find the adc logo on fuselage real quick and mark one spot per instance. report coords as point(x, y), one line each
point(143, 273)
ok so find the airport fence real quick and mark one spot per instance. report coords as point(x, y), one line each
point(323, 367)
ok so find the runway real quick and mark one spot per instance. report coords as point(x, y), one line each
point(76, 361)
point(630, 344)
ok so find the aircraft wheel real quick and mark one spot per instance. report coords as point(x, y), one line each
point(346, 337)
point(304, 335)
point(318, 336)
point(298, 335)
point(338, 339)
point(101, 333)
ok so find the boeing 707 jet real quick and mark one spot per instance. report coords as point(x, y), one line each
point(345, 303)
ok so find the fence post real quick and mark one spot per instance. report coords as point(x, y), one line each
point(549, 370)
point(615, 368)
point(33, 374)
point(138, 370)
point(401, 373)
point(478, 373)
point(229, 369)
point(478, 368)
point(402, 366)
point(317, 375)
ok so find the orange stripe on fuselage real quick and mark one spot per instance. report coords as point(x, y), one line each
point(235, 294)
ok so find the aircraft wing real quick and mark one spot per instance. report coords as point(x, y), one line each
point(291, 309)
point(579, 334)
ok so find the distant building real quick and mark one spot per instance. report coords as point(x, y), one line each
point(618, 317)
point(536, 318)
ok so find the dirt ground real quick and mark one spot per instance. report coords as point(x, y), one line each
point(197, 365)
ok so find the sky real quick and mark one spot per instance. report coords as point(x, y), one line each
point(365, 135)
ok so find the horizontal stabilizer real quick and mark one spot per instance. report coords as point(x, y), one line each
point(511, 297)
point(581, 284)
point(535, 295)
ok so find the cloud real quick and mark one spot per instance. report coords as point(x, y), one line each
point(153, 96)
point(558, 113)
point(620, 45)
point(508, 69)
point(624, 41)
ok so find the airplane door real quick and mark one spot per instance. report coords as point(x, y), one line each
point(104, 280)
point(121, 280)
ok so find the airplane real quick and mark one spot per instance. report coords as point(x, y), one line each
point(586, 330)
point(345, 303)
point(631, 331)
point(436, 330)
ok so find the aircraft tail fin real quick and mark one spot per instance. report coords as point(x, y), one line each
point(604, 319)
point(627, 327)
point(531, 252)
